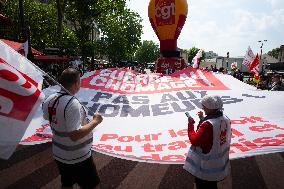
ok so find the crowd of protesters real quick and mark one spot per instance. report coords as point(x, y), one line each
point(55, 69)
point(271, 81)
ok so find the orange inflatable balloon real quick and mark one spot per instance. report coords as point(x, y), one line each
point(167, 18)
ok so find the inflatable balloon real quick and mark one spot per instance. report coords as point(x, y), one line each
point(167, 18)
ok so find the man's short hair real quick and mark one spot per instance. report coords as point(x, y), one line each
point(68, 77)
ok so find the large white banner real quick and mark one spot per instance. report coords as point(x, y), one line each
point(144, 116)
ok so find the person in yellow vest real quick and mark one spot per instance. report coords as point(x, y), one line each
point(208, 156)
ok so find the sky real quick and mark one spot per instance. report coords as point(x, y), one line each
point(225, 26)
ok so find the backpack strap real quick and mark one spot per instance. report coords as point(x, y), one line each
point(53, 105)
point(62, 134)
point(67, 105)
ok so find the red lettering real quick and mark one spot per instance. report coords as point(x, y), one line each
point(126, 149)
point(159, 147)
point(248, 120)
point(103, 146)
point(268, 141)
point(177, 145)
point(155, 136)
point(257, 119)
point(148, 147)
point(251, 119)
point(238, 122)
point(125, 139)
point(138, 138)
point(172, 133)
point(236, 133)
point(248, 144)
point(106, 137)
point(239, 147)
point(265, 127)
point(182, 132)
point(19, 92)
point(174, 158)
point(10, 76)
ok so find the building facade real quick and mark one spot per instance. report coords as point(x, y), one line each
point(184, 55)
point(227, 62)
point(210, 55)
point(281, 54)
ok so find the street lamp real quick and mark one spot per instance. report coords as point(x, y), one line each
point(262, 42)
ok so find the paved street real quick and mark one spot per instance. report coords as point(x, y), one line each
point(33, 167)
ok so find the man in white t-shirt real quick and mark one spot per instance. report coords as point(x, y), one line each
point(72, 134)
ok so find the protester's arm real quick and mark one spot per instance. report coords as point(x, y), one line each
point(73, 122)
point(86, 129)
point(202, 135)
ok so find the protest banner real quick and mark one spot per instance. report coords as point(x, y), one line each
point(144, 116)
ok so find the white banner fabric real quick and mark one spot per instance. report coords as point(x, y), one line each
point(144, 116)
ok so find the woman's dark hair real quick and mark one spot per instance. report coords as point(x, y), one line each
point(68, 77)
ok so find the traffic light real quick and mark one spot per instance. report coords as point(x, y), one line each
point(228, 54)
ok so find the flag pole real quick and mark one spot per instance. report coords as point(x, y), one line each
point(57, 83)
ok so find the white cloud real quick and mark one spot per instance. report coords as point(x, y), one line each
point(276, 4)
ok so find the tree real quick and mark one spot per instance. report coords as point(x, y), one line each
point(75, 19)
point(274, 52)
point(147, 52)
point(120, 27)
point(121, 34)
point(42, 21)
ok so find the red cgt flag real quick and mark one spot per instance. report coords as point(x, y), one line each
point(254, 67)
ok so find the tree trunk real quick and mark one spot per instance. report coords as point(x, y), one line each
point(25, 30)
point(59, 26)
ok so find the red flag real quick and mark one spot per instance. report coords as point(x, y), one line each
point(254, 66)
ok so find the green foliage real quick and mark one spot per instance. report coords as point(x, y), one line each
point(147, 52)
point(10, 9)
point(274, 52)
point(42, 20)
point(121, 34)
point(121, 28)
